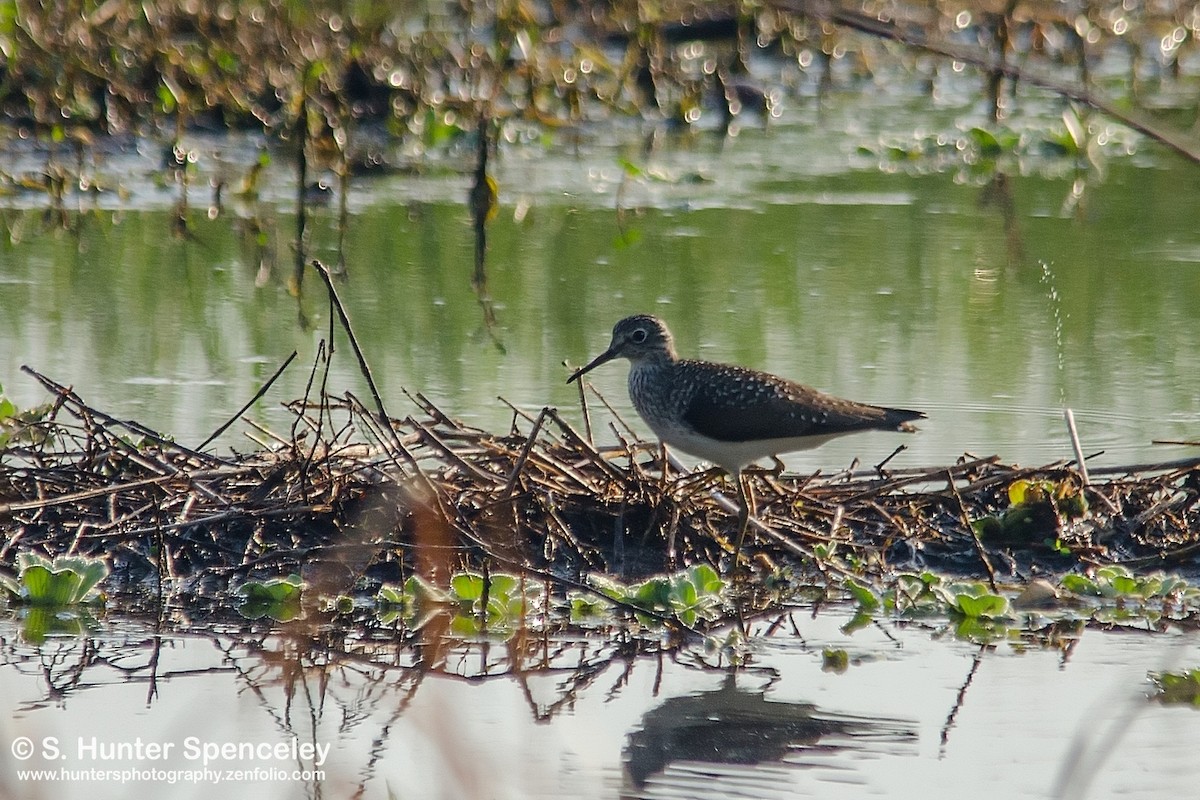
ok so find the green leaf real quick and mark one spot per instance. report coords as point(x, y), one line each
point(980, 630)
point(516, 607)
point(503, 584)
point(272, 591)
point(62, 582)
point(1026, 491)
point(706, 579)
point(90, 572)
point(28, 559)
point(278, 599)
point(422, 591)
point(465, 625)
point(390, 596)
point(611, 588)
point(1171, 584)
point(684, 594)
point(582, 606)
point(166, 98)
point(986, 605)
point(498, 608)
point(988, 528)
point(859, 621)
point(467, 586)
point(915, 584)
point(1080, 585)
point(1177, 687)
point(1125, 585)
point(653, 595)
point(986, 141)
point(37, 582)
point(1073, 506)
point(631, 169)
point(1109, 573)
point(64, 588)
point(863, 595)
point(836, 661)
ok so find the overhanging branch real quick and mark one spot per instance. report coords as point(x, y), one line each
point(919, 39)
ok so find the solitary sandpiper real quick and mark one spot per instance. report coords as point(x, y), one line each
point(730, 415)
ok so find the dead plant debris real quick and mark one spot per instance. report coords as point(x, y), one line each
point(346, 495)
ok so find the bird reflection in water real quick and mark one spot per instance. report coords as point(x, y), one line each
point(734, 726)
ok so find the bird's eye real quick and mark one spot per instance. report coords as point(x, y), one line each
point(638, 336)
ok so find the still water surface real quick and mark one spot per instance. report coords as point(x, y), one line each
point(990, 296)
point(918, 713)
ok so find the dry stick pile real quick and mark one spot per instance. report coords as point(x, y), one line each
point(431, 493)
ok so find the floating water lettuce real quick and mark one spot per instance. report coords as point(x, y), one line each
point(18, 425)
point(835, 660)
point(1177, 688)
point(690, 595)
point(58, 582)
point(404, 603)
point(1035, 514)
point(497, 596)
point(277, 598)
point(867, 600)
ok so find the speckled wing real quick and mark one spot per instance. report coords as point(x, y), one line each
point(764, 406)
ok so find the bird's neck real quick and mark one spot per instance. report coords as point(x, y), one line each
point(653, 362)
point(649, 387)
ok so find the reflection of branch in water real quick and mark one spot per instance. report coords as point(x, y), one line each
point(651, 143)
point(887, 634)
point(958, 701)
point(70, 665)
point(1110, 720)
point(998, 194)
point(330, 679)
point(1085, 758)
point(301, 142)
point(341, 139)
point(483, 204)
point(1068, 649)
point(567, 691)
point(152, 689)
point(777, 624)
point(379, 744)
point(347, 667)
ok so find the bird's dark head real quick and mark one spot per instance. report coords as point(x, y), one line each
point(641, 337)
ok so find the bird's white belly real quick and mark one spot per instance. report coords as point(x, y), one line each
point(733, 456)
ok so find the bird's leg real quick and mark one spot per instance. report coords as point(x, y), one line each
point(745, 503)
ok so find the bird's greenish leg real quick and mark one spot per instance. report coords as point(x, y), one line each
point(745, 508)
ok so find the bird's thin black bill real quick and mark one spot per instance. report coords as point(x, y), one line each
point(607, 355)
